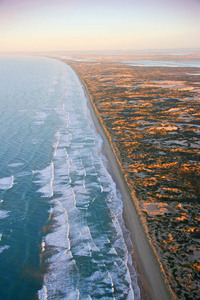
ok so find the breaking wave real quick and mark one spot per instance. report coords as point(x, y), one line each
point(87, 252)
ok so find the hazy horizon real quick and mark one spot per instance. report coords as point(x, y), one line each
point(179, 53)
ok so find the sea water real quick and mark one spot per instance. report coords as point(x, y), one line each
point(62, 234)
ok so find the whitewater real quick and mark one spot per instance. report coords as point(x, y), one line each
point(62, 235)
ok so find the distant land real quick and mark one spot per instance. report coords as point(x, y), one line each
point(154, 54)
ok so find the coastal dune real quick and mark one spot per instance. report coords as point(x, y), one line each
point(153, 284)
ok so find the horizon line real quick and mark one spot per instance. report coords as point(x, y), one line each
point(105, 50)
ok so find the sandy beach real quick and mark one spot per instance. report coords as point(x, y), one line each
point(153, 284)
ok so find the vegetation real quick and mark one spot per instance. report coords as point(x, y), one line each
point(152, 115)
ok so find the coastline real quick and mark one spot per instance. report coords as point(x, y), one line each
point(154, 284)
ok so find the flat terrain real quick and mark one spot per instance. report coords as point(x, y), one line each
point(152, 115)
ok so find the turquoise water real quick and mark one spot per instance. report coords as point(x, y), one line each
point(62, 234)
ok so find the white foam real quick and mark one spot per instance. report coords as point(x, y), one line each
point(4, 248)
point(23, 110)
point(41, 115)
point(111, 282)
point(74, 196)
point(39, 122)
point(68, 120)
point(50, 213)
point(78, 176)
point(3, 214)
point(14, 165)
point(43, 246)
point(112, 251)
point(60, 237)
point(42, 294)
point(57, 143)
point(6, 183)
point(46, 178)
point(66, 140)
point(74, 295)
point(83, 250)
point(59, 153)
point(40, 118)
point(23, 174)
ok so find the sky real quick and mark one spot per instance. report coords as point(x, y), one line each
point(53, 25)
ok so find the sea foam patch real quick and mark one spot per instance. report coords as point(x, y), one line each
point(6, 183)
point(15, 165)
point(4, 248)
point(46, 177)
point(4, 214)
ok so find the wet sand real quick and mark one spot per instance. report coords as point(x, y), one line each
point(153, 284)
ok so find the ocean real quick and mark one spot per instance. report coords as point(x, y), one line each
point(62, 235)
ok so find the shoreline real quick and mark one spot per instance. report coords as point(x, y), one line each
point(153, 284)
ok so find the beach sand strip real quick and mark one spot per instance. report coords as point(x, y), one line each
point(154, 283)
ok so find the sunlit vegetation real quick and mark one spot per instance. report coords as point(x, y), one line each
point(152, 115)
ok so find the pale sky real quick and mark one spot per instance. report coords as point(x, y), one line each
point(44, 25)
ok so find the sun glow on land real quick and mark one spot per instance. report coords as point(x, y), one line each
point(43, 25)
